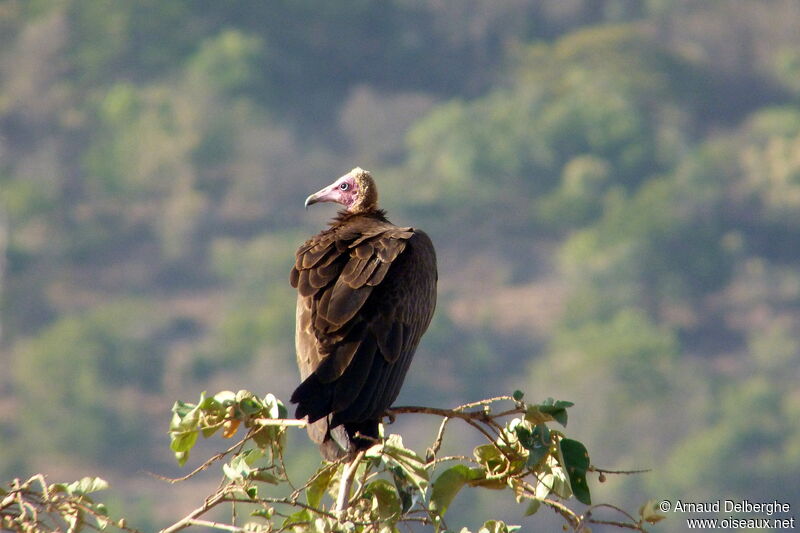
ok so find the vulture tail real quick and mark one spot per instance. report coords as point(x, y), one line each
point(313, 399)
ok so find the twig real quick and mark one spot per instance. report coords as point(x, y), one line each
point(568, 514)
point(283, 422)
point(214, 458)
point(437, 444)
point(287, 501)
point(296, 492)
point(348, 474)
point(187, 520)
point(447, 413)
point(613, 508)
point(215, 525)
point(455, 458)
point(622, 472)
point(473, 418)
point(625, 525)
point(483, 402)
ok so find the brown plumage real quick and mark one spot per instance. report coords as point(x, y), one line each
point(366, 294)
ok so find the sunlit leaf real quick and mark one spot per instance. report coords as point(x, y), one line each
point(650, 512)
point(490, 456)
point(316, 490)
point(544, 485)
point(497, 526)
point(547, 411)
point(448, 484)
point(303, 516)
point(225, 397)
point(87, 485)
point(533, 506)
point(411, 463)
point(183, 442)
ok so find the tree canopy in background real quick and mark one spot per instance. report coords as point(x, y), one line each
point(613, 188)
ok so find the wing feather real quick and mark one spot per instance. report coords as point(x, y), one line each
point(365, 275)
point(304, 286)
point(350, 385)
point(353, 269)
point(345, 302)
point(364, 251)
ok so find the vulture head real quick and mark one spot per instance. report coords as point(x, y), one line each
point(356, 191)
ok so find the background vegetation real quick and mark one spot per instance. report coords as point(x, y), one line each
point(613, 188)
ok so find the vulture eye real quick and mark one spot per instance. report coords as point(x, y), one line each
point(344, 186)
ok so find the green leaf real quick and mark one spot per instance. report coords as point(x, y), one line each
point(180, 409)
point(300, 517)
point(544, 485)
point(102, 522)
point(87, 485)
point(225, 397)
point(242, 467)
point(538, 444)
point(264, 476)
point(317, 489)
point(407, 490)
point(534, 415)
point(75, 521)
point(275, 407)
point(497, 526)
point(545, 412)
point(448, 484)
point(184, 441)
point(650, 512)
point(213, 426)
point(182, 457)
point(183, 429)
point(490, 456)
point(548, 410)
point(576, 463)
point(263, 513)
point(386, 499)
point(561, 486)
point(232, 473)
point(533, 506)
point(269, 436)
point(412, 464)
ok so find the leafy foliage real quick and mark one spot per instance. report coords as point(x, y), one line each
point(35, 505)
point(540, 466)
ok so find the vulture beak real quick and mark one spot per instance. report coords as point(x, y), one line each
point(323, 195)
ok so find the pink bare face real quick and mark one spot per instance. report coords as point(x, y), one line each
point(342, 191)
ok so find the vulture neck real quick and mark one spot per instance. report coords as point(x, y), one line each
point(345, 216)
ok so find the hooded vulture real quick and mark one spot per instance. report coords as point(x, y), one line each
point(366, 294)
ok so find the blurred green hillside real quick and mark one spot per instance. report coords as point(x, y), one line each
point(613, 188)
